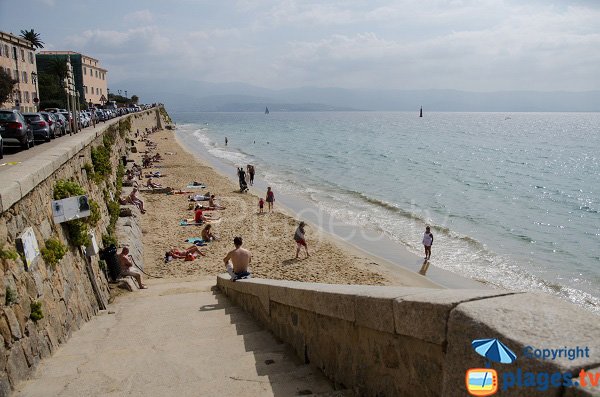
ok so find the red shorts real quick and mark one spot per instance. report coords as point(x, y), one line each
point(301, 242)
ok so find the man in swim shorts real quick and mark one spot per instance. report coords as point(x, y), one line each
point(238, 260)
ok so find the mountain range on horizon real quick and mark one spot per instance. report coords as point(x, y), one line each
point(203, 96)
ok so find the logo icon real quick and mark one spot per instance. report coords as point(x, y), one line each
point(484, 381)
point(481, 381)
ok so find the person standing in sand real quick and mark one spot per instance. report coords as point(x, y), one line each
point(299, 239)
point(238, 260)
point(427, 242)
point(270, 198)
point(251, 173)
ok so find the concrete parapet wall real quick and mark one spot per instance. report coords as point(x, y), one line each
point(72, 291)
point(399, 341)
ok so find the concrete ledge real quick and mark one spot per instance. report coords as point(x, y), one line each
point(20, 179)
point(416, 341)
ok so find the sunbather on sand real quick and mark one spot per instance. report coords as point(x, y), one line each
point(192, 252)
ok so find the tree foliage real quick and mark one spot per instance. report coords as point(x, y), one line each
point(7, 85)
point(32, 37)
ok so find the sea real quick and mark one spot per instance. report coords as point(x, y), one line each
point(513, 199)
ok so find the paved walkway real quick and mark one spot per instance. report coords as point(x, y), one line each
point(176, 338)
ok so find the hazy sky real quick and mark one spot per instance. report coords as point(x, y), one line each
point(476, 45)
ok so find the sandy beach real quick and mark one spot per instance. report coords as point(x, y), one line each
point(268, 236)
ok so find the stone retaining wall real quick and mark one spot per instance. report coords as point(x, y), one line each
point(67, 290)
point(398, 341)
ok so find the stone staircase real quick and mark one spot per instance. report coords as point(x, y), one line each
point(178, 338)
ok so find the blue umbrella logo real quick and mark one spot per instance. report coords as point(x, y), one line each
point(494, 350)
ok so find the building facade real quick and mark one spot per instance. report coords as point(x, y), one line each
point(90, 79)
point(17, 58)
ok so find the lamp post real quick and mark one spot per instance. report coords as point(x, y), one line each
point(126, 99)
point(107, 95)
point(36, 100)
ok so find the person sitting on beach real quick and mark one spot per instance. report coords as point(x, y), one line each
point(191, 252)
point(237, 261)
point(213, 204)
point(299, 239)
point(207, 234)
point(198, 215)
point(126, 267)
point(153, 185)
point(135, 200)
point(270, 198)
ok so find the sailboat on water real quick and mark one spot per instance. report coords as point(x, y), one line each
point(266, 110)
point(421, 112)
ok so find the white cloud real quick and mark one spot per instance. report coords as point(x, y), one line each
point(140, 17)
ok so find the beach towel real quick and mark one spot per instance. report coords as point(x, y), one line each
point(192, 186)
point(197, 241)
point(185, 222)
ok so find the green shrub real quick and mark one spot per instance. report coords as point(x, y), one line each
point(101, 263)
point(120, 175)
point(110, 136)
point(53, 252)
point(64, 188)
point(78, 231)
point(109, 239)
point(8, 254)
point(89, 169)
point(36, 311)
point(95, 214)
point(11, 296)
point(124, 126)
point(101, 162)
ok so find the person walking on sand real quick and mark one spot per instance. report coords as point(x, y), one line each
point(251, 173)
point(299, 239)
point(427, 242)
point(126, 267)
point(238, 260)
point(270, 198)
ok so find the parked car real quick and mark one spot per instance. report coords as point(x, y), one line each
point(69, 119)
point(62, 121)
point(1, 148)
point(100, 115)
point(52, 123)
point(41, 129)
point(14, 129)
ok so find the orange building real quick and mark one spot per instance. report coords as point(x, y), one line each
point(17, 58)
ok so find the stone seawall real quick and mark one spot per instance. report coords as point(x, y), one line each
point(398, 341)
point(74, 289)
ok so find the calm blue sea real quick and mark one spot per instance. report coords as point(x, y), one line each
point(514, 198)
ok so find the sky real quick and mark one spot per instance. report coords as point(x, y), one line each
point(471, 45)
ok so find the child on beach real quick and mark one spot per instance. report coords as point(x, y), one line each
point(427, 242)
point(261, 204)
point(270, 198)
point(299, 239)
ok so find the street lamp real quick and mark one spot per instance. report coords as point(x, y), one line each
point(126, 100)
point(36, 100)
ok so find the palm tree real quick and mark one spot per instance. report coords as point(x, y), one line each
point(33, 38)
